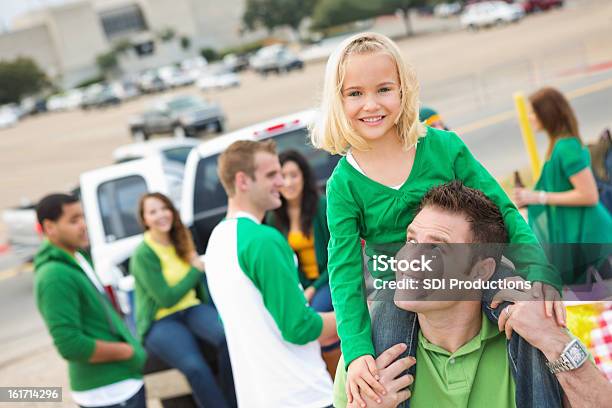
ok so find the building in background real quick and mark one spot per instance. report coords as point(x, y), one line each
point(66, 39)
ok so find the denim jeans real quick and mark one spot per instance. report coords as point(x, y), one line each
point(174, 339)
point(138, 400)
point(322, 302)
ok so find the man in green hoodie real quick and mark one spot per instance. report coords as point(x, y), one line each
point(105, 360)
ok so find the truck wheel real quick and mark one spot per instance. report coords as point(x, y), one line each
point(139, 135)
point(219, 127)
point(179, 132)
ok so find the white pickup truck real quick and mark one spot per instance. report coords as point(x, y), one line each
point(110, 195)
point(24, 233)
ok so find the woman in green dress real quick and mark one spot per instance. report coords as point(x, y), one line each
point(564, 208)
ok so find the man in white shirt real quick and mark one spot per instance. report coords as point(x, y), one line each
point(273, 337)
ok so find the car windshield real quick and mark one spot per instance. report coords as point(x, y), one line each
point(182, 103)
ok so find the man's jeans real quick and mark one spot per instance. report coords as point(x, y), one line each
point(174, 339)
point(138, 400)
point(322, 302)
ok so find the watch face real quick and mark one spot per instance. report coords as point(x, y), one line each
point(576, 353)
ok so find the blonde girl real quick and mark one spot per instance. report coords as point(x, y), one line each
point(369, 114)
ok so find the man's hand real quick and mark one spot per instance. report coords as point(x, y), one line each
point(389, 370)
point(362, 379)
point(584, 387)
point(107, 351)
point(196, 262)
point(309, 293)
point(528, 319)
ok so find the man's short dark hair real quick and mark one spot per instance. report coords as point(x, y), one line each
point(51, 207)
point(486, 221)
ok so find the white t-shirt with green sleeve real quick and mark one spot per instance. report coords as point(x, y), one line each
point(271, 332)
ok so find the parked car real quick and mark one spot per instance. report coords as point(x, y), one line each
point(99, 96)
point(170, 154)
point(220, 79)
point(8, 117)
point(183, 116)
point(275, 58)
point(68, 100)
point(204, 201)
point(445, 10)
point(236, 63)
point(175, 77)
point(531, 6)
point(490, 13)
point(172, 149)
point(150, 82)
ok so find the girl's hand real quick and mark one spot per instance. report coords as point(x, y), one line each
point(524, 197)
point(539, 292)
point(552, 301)
point(197, 263)
point(363, 377)
point(309, 293)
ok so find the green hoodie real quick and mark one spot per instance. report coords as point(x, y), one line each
point(76, 315)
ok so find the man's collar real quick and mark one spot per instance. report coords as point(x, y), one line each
point(244, 214)
point(488, 330)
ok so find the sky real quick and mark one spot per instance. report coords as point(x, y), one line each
point(12, 8)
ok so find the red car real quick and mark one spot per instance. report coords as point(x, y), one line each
point(531, 6)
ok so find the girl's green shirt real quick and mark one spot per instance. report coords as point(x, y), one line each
point(360, 208)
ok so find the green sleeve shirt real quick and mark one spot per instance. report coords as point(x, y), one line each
point(358, 207)
point(268, 261)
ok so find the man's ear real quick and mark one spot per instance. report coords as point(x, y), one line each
point(484, 269)
point(241, 181)
point(47, 227)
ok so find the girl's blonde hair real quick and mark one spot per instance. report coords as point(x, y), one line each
point(333, 131)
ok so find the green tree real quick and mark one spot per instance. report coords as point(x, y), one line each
point(329, 13)
point(404, 7)
point(185, 42)
point(210, 54)
point(271, 14)
point(167, 34)
point(19, 78)
point(107, 62)
point(122, 46)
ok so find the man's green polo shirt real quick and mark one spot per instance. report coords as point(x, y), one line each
point(477, 375)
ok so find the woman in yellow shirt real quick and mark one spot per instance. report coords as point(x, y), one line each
point(172, 310)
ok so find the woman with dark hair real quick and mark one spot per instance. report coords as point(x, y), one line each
point(302, 219)
point(172, 308)
point(564, 208)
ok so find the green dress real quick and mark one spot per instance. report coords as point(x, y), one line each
point(555, 225)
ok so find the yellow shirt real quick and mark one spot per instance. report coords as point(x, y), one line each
point(174, 269)
point(305, 249)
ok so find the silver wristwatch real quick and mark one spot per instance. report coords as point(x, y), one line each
point(573, 356)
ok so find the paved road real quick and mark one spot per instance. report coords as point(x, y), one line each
point(499, 145)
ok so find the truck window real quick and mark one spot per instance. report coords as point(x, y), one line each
point(322, 163)
point(209, 193)
point(118, 201)
point(178, 154)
